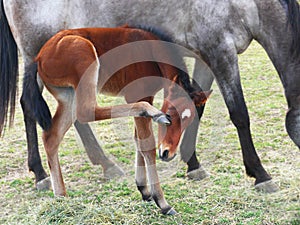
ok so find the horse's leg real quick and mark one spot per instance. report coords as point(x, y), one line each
point(61, 122)
point(203, 78)
point(95, 152)
point(34, 160)
point(146, 149)
point(225, 68)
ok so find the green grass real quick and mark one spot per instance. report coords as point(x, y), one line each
point(226, 197)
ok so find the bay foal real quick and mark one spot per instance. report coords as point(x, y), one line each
point(73, 68)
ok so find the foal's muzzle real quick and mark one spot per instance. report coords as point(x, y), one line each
point(164, 155)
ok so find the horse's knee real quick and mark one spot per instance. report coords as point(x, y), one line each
point(292, 124)
point(240, 117)
point(293, 99)
point(23, 102)
point(292, 121)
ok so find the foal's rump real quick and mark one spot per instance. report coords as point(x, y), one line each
point(65, 59)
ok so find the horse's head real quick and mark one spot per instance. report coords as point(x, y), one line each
point(181, 109)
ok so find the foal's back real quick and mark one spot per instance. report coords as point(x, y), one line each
point(65, 58)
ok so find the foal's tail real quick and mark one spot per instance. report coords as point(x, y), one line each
point(33, 98)
point(9, 71)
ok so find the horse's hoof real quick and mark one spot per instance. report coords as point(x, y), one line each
point(170, 212)
point(113, 172)
point(44, 184)
point(147, 198)
point(162, 119)
point(267, 187)
point(198, 174)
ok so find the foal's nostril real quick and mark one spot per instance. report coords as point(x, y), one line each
point(165, 154)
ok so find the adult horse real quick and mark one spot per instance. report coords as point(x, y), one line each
point(218, 29)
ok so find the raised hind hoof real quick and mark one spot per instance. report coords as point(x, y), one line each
point(113, 172)
point(267, 187)
point(198, 174)
point(44, 184)
point(169, 212)
point(162, 119)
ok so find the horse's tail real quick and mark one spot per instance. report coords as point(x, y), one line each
point(9, 71)
point(33, 98)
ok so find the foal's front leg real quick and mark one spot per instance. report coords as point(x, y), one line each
point(141, 175)
point(146, 149)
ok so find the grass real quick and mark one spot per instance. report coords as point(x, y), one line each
point(226, 197)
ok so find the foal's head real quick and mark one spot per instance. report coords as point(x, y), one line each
point(180, 106)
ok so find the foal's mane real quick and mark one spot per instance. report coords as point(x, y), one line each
point(293, 16)
point(183, 78)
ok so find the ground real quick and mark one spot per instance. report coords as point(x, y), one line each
point(226, 197)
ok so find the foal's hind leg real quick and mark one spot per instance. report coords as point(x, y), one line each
point(140, 174)
point(146, 149)
point(61, 122)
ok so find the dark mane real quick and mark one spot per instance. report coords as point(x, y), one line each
point(161, 34)
point(293, 16)
point(183, 77)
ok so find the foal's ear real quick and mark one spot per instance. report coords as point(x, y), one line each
point(200, 97)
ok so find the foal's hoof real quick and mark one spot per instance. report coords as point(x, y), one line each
point(198, 174)
point(267, 187)
point(170, 212)
point(162, 119)
point(44, 184)
point(113, 172)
